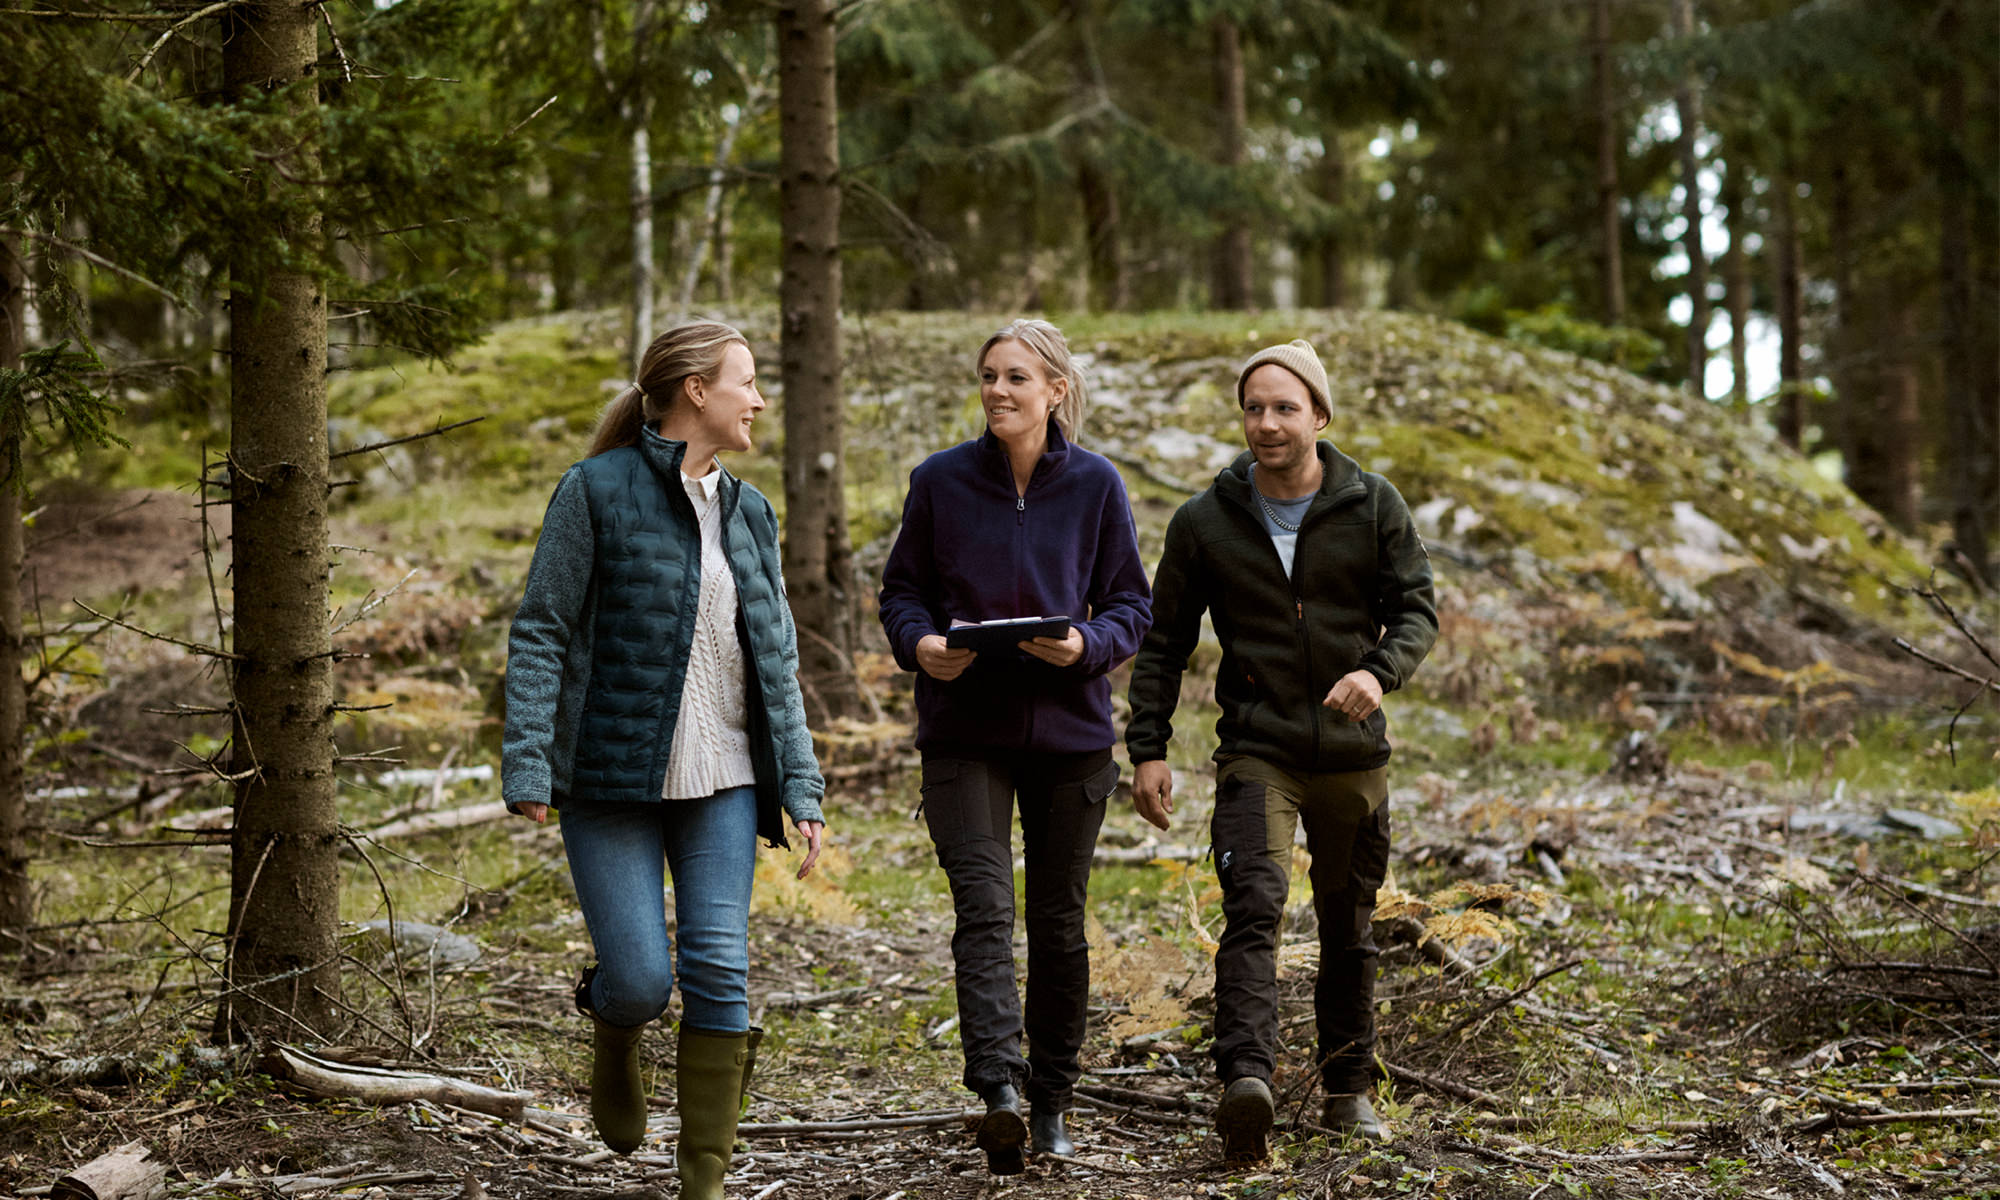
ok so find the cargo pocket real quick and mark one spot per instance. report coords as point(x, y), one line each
point(1096, 788)
point(1238, 831)
point(934, 792)
point(1076, 814)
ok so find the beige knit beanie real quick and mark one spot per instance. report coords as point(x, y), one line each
point(1298, 357)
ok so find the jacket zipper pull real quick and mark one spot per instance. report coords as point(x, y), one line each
point(1020, 510)
point(1299, 604)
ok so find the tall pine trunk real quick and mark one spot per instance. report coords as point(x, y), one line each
point(819, 564)
point(1687, 99)
point(1791, 418)
point(1332, 248)
point(284, 856)
point(1110, 286)
point(1969, 416)
point(1736, 285)
point(1872, 361)
point(16, 900)
point(1232, 250)
point(1611, 269)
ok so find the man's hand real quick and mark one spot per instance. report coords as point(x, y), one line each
point(812, 832)
point(538, 813)
point(1356, 696)
point(940, 661)
point(1153, 791)
point(1057, 652)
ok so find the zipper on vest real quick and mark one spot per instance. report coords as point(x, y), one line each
point(1020, 510)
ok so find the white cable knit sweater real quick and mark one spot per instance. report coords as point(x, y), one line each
point(711, 748)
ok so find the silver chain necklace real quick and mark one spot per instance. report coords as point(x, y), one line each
point(1264, 504)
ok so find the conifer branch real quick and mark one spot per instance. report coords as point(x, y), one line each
point(72, 15)
point(96, 259)
point(146, 59)
point(339, 52)
point(197, 647)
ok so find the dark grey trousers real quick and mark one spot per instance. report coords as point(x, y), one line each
point(968, 803)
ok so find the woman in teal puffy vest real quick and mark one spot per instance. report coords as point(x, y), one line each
point(652, 697)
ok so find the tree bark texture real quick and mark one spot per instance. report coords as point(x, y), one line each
point(16, 900)
point(1687, 100)
point(819, 566)
point(1232, 249)
point(122, 1174)
point(1611, 268)
point(284, 855)
point(1791, 418)
point(1969, 415)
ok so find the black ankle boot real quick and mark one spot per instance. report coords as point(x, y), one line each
point(1002, 1132)
point(1046, 1134)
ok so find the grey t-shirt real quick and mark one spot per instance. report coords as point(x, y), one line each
point(1289, 511)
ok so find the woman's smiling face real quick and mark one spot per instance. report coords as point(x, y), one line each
point(1015, 393)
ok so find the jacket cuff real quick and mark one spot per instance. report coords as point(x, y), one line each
point(1382, 677)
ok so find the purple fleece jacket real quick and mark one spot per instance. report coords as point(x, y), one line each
point(970, 550)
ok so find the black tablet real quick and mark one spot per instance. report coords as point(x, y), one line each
point(1003, 634)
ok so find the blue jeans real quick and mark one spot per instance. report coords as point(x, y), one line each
point(618, 855)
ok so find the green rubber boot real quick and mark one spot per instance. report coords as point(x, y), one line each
point(713, 1075)
point(617, 1089)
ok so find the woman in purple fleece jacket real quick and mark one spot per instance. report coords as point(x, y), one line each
point(1020, 522)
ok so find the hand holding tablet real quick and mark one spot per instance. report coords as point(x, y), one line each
point(1004, 634)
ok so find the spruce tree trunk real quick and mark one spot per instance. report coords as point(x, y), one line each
point(1332, 250)
point(1791, 418)
point(1687, 100)
point(1611, 269)
point(1232, 249)
point(284, 856)
point(1970, 447)
point(1110, 289)
point(1736, 287)
point(1689, 103)
point(16, 900)
point(819, 566)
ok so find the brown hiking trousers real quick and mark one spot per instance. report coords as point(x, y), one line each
point(1346, 815)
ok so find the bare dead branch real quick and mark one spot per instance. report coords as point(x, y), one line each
point(374, 1085)
point(196, 647)
point(1904, 645)
point(415, 437)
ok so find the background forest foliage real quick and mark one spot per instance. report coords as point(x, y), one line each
point(1523, 167)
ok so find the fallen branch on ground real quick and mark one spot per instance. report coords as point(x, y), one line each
point(1443, 1087)
point(372, 1085)
point(122, 1174)
point(1842, 1120)
point(433, 822)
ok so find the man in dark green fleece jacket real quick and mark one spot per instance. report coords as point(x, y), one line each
point(1320, 592)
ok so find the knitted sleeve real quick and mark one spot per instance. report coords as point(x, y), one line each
point(544, 624)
